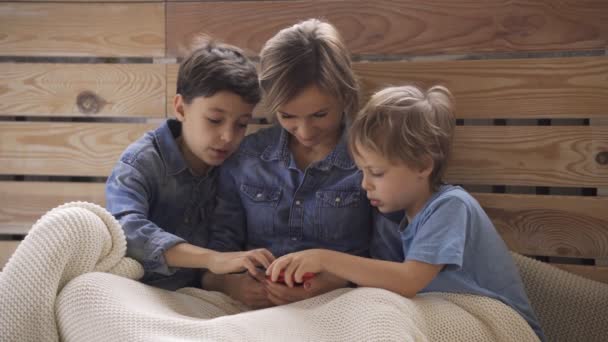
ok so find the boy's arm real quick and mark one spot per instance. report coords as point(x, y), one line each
point(406, 278)
point(127, 198)
point(128, 195)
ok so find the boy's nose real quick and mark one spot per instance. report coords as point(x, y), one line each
point(365, 184)
point(227, 135)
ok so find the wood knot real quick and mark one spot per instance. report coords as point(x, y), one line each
point(602, 158)
point(89, 103)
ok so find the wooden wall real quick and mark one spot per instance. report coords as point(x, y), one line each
point(80, 80)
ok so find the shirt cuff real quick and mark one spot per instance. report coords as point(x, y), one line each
point(156, 262)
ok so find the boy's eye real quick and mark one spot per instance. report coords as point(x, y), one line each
point(241, 125)
point(214, 121)
point(376, 174)
point(286, 116)
point(320, 114)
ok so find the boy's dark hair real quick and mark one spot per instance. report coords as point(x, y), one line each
point(217, 67)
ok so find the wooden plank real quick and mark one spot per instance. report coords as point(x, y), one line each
point(497, 89)
point(82, 29)
point(564, 226)
point(529, 155)
point(64, 149)
point(91, 90)
point(7, 248)
point(23, 203)
point(90, 1)
point(172, 70)
point(407, 27)
point(518, 88)
point(591, 272)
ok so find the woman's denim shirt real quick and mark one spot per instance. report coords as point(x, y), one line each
point(265, 201)
point(160, 203)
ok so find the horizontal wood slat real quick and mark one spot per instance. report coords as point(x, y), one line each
point(493, 89)
point(402, 27)
point(539, 156)
point(64, 149)
point(517, 88)
point(6, 250)
point(564, 226)
point(23, 203)
point(92, 90)
point(82, 29)
point(529, 155)
point(591, 272)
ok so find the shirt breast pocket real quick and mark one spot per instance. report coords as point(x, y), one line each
point(338, 214)
point(260, 203)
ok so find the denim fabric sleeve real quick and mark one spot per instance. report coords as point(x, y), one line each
point(128, 193)
point(228, 228)
point(386, 239)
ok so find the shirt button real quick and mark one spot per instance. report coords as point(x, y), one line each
point(258, 195)
point(338, 199)
point(294, 239)
point(186, 220)
point(298, 202)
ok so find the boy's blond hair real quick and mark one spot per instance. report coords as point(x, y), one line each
point(309, 53)
point(408, 125)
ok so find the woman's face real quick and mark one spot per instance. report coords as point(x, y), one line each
point(313, 117)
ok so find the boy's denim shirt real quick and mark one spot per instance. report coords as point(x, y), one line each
point(159, 202)
point(265, 201)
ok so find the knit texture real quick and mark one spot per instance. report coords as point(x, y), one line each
point(68, 241)
point(569, 307)
point(70, 278)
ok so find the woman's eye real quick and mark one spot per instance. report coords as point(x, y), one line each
point(320, 115)
point(214, 121)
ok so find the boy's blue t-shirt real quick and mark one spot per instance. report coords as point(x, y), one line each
point(452, 229)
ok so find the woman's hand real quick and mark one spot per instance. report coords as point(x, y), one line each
point(280, 294)
point(247, 289)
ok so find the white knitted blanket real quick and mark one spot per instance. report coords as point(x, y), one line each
point(69, 280)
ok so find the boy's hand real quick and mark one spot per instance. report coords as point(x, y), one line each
point(247, 289)
point(229, 262)
point(280, 294)
point(295, 265)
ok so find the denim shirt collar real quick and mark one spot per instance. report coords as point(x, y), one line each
point(339, 156)
point(165, 137)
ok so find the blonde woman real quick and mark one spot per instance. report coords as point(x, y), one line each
point(294, 186)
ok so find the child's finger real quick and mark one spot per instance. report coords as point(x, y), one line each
point(250, 266)
point(279, 265)
point(289, 270)
point(259, 259)
point(269, 269)
point(268, 255)
point(298, 274)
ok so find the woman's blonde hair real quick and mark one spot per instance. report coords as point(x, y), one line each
point(309, 53)
point(408, 125)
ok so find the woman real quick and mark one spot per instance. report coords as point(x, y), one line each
point(294, 186)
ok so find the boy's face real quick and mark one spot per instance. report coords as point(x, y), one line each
point(212, 127)
point(312, 117)
point(392, 187)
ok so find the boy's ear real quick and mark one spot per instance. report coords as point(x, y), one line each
point(428, 167)
point(178, 107)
